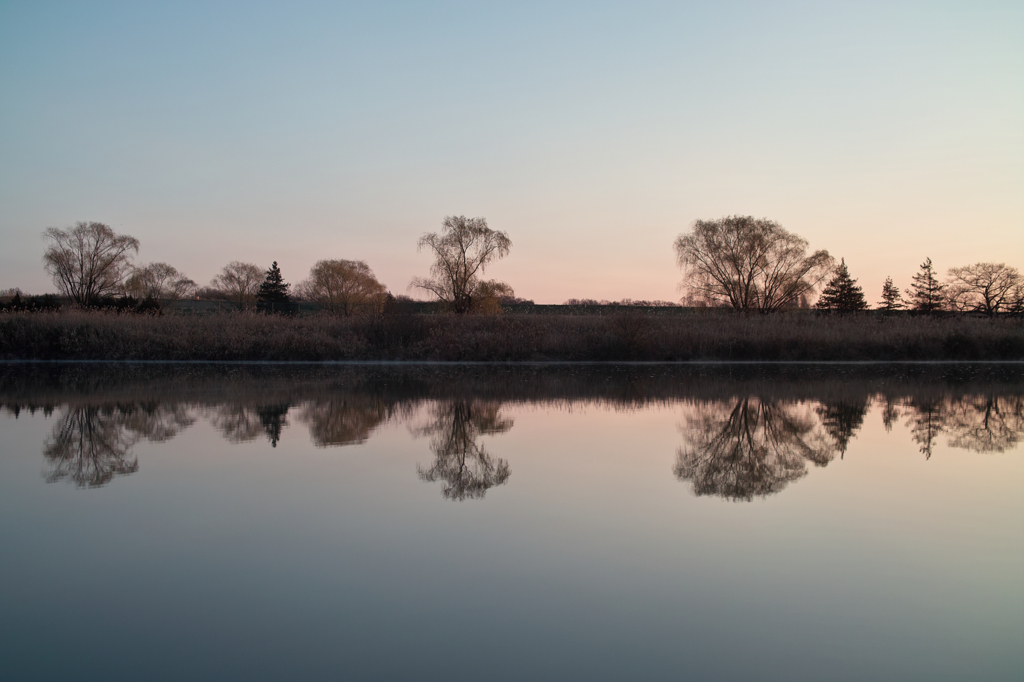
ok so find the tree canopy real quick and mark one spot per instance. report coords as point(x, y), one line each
point(749, 263)
point(462, 251)
point(88, 261)
point(344, 287)
point(987, 288)
point(240, 282)
point(158, 281)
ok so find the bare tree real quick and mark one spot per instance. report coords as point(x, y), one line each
point(749, 263)
point(158, 281)
point(984, 287)
point(240, 281)
point(88, 261)
point(461, 253)
point(343, 286)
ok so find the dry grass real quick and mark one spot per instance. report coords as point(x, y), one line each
point(713, 335)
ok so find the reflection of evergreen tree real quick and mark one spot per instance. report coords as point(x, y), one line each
point(926, 421)
point(841, 420)
point(463, 464)
point(273, 418)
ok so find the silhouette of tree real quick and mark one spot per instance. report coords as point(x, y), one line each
point(158, 281)
point(464, 466)
point(841, 294)
point(891, 299)
point(753, 448)
point(273, 291)
point(748, 263)
point(88, 261)
point(985, 287)
point(927, 294)
point(462, 252)
point(240, 282)
point(344, 287)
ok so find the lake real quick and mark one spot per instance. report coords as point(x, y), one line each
point(504, 522)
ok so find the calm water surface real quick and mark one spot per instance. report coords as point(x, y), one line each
point(496, 523)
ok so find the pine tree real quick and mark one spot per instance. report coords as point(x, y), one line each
point(927, 294)
point(891, 299)
point(273, 289)
point(842, 294)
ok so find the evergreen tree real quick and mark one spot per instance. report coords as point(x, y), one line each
point(273, 289)
point(891, 299)
point(842, 294)
point(927, 294)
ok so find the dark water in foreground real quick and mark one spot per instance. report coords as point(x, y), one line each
point(487, 522)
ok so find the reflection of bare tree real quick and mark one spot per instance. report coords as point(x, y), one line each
point(241, 423)
point(754, 448)
point(89, 446)
point(986, 423)
point(464, 466)
point(238, 423)
point(346, 421)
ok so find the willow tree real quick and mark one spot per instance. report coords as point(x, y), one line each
point(462, 251)
point(88, 261)
point(158, 281)
point(240, 282)
point(749, 263)
point(343, 286)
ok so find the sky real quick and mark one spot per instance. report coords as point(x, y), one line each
point(593, 133)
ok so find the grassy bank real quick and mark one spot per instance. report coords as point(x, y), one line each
point(712, 335)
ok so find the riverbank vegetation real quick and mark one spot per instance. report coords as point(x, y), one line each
point(623, 335)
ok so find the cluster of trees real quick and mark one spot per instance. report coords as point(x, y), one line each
point(755, 264)
point(90, 264)
point(738, 261)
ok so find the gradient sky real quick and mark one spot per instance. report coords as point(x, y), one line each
point(592, 132)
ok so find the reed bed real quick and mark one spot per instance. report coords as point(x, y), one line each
point(629, 336)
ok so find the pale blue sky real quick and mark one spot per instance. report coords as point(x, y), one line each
point(593, 133)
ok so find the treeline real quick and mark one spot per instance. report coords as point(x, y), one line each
point(736, 262)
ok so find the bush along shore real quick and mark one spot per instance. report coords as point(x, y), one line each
point(628, 336)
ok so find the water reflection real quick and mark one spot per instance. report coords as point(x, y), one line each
point(460, 460)
point(346, 421)
point(750, 447)
point(746, 432)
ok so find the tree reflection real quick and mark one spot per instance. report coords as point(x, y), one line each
point(841, 420)
point(981, 423)
point(464, 466)
point(753, 448)
point(243, 423)
point(347, 421)
point(89, 446)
